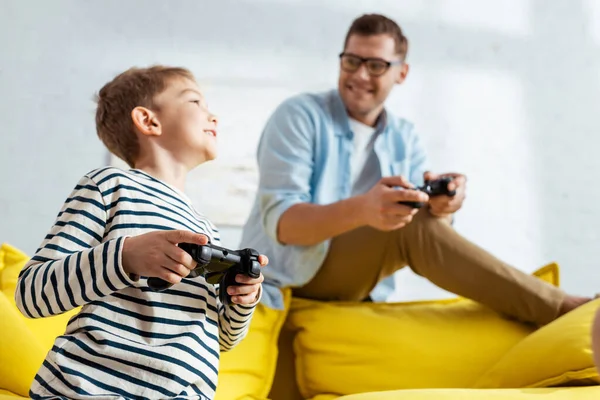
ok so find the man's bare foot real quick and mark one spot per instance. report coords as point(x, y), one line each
point(572, 302)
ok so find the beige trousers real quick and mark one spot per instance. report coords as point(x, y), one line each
point(359, 259)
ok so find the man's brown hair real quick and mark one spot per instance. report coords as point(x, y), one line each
point(377, 24)
point(128, 90)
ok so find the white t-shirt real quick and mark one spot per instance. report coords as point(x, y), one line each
point(363, 146)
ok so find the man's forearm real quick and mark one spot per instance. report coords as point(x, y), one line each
point(307, 224)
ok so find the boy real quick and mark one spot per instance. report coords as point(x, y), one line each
point(117, 229)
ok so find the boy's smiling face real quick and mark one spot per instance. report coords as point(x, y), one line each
point(181, 123)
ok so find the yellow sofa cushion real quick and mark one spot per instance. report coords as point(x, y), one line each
point(566, 393)
point(247, 371)
point(347, 348)
point(46, 329)
point(20, 352)
point(25, 341)
point(557, 354)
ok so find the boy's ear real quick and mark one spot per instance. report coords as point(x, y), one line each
point(146, 121)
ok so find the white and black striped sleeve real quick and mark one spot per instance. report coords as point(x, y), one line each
point(73, 266)
point(234, 322)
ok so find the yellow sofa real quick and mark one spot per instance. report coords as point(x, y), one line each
point(449, 349)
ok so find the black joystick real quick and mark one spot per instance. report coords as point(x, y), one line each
point(218, 265)
point(437, 187)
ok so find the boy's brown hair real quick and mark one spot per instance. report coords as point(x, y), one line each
point(377, 24)
point(132, 88)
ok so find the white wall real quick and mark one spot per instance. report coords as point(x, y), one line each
point(504, 91)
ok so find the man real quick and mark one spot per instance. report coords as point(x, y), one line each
point(334, 167)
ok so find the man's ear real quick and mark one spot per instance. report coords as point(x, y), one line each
point(146, 121)
point(402, 73)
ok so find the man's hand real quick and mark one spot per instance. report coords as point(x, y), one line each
point(248, 290)
point(380, 204)
point(445, 206)
point(156, 254)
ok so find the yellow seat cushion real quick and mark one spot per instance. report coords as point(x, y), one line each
point(566, 393)
point(557, 354)
point(6, 395)
point(347, 348)
point(247, 371)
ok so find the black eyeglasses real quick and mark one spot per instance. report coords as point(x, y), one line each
point(375, 66)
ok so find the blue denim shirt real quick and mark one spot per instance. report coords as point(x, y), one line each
point(304, 157)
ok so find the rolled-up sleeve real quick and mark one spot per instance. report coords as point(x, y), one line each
point(285, 160)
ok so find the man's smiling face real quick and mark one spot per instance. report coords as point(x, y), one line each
point(362, 92)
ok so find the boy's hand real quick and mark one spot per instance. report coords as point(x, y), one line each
point(248, 290)
point(155, 254)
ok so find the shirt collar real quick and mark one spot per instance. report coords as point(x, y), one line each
point(341, 118)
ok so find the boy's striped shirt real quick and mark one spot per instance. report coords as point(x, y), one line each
point(127, 341)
